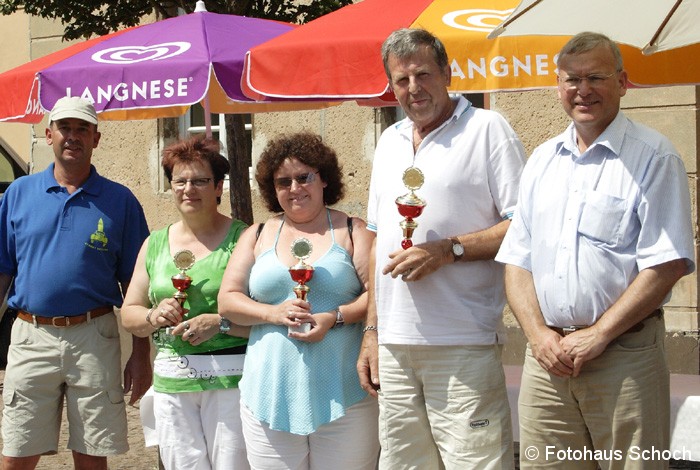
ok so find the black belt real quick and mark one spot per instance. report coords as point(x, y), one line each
point(567, 330)
point(222, 352)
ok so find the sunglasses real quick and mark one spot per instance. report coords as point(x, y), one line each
point(303, 179)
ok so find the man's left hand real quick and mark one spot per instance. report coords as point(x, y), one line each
point(138, 372)
point(582, 346)
point(418, 261)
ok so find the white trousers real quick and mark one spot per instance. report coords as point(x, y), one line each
point(200, 430)
point(348, 443)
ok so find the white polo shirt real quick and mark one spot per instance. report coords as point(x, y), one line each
point(586, 224)
point(472, 164)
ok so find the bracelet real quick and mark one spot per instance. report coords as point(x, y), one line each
point(148, 316)
point(369, 328)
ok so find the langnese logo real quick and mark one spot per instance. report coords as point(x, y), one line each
point(479, 20)
point(133, 54)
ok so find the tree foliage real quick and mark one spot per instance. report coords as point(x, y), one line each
point(84, 18)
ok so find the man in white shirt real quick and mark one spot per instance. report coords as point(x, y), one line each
point(430, 339)
point(601, 233)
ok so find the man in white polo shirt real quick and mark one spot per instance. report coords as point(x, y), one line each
point(430, 339)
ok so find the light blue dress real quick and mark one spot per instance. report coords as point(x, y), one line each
point(291, 385)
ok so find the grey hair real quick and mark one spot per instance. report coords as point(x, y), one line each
point(406, 42)
point(586, 41)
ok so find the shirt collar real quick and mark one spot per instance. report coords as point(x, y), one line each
point(93, 185)
point(405, 126)
point(611, 138)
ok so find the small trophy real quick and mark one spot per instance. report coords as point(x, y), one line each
point(410, 205)
point(301, 273)
point(184, 260)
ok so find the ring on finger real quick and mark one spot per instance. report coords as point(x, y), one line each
point(191, 334)
point(290, 314)
point(187, 326)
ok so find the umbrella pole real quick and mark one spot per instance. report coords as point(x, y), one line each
point(207, 117)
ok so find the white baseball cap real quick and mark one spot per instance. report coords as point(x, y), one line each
point(73, 107)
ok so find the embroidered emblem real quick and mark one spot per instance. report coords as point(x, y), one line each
point(98, 238)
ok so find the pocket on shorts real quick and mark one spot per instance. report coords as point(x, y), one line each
point(116, 396)
point(643, 340)
point(481, 418)
point(21, 333)
point(8, 396)
point(106, 326)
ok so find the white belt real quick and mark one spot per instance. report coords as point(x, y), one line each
point(195, 366)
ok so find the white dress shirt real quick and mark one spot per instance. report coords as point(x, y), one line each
point(586, 224)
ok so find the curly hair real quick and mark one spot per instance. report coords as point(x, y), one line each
point(196, 149)
point(309, 149)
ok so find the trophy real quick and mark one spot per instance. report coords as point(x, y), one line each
point(410, 205)
point(184, 260)
point(301, 273)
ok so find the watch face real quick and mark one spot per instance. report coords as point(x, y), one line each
point(457, 249)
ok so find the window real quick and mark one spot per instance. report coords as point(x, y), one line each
point(11, 166)
point(192, 123)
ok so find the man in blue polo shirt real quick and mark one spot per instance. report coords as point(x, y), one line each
point(68, 243)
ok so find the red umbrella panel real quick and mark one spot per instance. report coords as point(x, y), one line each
point(338, 56)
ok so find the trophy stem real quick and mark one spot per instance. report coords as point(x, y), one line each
point(301, 291)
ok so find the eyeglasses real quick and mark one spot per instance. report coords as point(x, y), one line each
point(595, 80)
point(180, 184)
point(286, 182)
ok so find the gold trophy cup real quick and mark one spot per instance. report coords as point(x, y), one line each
point(301, 273)
point(184, 260)
point(410, 205)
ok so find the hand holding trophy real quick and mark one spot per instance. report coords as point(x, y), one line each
point(410, 205)
point(184, 260)
point(301, 273)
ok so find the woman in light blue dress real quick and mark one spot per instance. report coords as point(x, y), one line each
point(302, 406)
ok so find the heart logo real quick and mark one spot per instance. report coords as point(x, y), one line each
point(132, 54)
point(480, 20)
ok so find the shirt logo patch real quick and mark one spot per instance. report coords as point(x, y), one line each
point(98, 238)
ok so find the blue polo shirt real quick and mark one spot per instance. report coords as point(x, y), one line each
point(68, 253)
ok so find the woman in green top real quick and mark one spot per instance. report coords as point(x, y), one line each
point(199, 362)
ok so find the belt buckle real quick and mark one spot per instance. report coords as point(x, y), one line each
point(53, 322)
point(567, 330)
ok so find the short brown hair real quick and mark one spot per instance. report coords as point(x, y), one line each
point(587, 41)
point(196, 149)
point(310, 150)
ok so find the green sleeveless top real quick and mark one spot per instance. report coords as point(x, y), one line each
point(202, 295)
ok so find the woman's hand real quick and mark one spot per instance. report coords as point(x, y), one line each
point(320, 324)
point(291, 312)
point(169, 312)
point(198, 329)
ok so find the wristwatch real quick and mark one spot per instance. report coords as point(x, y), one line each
point(339, 320)
point(457, 249)
point(224, 325)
